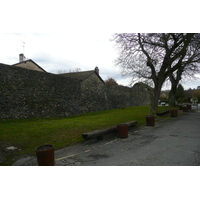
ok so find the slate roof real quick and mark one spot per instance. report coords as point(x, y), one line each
point(82, 75)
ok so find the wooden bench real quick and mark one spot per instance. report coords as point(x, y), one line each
point(162, 112)
point(98, 133)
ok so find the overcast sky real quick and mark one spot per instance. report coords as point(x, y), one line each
point(87, 28)
point(68, 51)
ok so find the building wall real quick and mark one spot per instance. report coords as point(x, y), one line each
point(29, 65)
point(32, 94)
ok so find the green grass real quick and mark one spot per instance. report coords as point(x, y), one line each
point(27, 134)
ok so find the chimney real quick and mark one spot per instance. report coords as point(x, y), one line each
point(96, 70)
point(21, 57)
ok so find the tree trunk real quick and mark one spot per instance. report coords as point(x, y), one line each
point(174, 84)
point(172, 97)
point(156, 96)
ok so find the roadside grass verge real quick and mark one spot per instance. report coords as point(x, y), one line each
point(27, 134)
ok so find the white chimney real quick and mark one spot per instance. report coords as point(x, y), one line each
point(21, 57)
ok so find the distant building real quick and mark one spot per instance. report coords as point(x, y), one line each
point(28, 64)
point(87, 77)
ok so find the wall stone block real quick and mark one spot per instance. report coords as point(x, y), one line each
point(32, 94)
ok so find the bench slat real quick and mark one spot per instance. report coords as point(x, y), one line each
point(96, 133)
point(162, 112)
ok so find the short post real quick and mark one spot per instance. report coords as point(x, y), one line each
point(122, 130)
point(150, 120)
point(45, 155)
point(174, 113)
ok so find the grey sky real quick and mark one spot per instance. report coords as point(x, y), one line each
point(68, 51)
point(86, 27)
point(65, 52)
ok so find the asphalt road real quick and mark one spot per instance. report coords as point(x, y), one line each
point(172, 142)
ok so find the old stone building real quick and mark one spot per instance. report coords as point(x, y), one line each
point(87, 78)
point(28, 64)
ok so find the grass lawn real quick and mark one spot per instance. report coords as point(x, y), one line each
point(27, 134)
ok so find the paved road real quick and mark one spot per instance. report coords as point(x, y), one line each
point(172, 142)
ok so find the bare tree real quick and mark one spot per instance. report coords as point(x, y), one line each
point(111, 81)
point(75, 70)
point(151, 56)
point(188, 65)
point(60, 71)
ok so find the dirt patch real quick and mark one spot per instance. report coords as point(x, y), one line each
point(6, 154)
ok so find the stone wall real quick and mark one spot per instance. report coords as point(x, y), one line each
point(31, 94)
point(141, 94)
